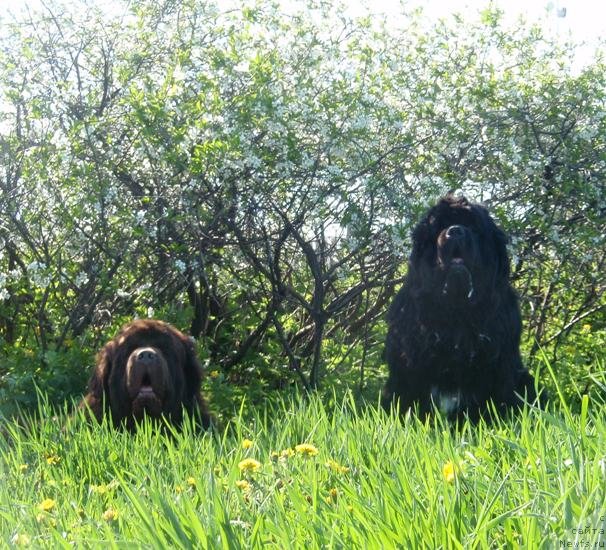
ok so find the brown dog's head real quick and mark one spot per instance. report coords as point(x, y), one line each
point(148, 369)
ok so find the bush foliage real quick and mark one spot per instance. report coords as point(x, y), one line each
point(252, 175)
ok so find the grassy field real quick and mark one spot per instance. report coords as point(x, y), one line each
point(307, 474)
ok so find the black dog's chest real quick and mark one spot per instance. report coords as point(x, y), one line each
point(456, 349)
point(455, 362)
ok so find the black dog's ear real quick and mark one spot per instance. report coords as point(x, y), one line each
point(496, 243)
point(500, 247)
point(98, 383)
point(420, 236)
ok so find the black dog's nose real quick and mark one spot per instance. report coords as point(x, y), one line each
point(147, 356)
point(455, 232)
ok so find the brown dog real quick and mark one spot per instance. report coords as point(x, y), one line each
point(149, 369)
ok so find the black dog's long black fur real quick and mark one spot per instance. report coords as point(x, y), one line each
point(454, 326)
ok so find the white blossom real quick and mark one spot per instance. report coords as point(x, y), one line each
point(81, 279)
point(38, 275)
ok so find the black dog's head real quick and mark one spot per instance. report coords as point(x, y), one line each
point(459, 254)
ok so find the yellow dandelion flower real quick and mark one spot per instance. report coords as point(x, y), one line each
point(249, 465)
point(53, 459)
point(47, 505)
point(247, 444)
point(23, 468)
point(178, 489)
point(243, 484)
point(191, 481)
point(449, 471)
point(334, 466)
point(287, 453)
point(306, 449)
point(110, 515)
point(214, 374)
point(99, 489)
point(586, 327)
point(21, 539)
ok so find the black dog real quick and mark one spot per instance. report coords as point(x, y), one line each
point(454, 326)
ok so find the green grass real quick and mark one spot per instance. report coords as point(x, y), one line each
point(375, 482)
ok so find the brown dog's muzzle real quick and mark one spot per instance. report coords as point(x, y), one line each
point(147, 381)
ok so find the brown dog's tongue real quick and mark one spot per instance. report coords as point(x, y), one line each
point(146, 391)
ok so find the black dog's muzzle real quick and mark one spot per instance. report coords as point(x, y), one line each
point(456, 255)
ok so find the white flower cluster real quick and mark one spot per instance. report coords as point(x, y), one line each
point(38, 274)
point(4, 294)
point(81, 279)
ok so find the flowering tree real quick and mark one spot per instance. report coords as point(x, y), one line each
point(256, 173)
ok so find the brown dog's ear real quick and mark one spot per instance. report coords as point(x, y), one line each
point(193, 380)
point(193, 369)
point(98, 383)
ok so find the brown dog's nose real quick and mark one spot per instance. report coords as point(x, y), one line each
point(147, 357)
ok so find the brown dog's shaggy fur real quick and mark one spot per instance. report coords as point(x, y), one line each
point(149, 369)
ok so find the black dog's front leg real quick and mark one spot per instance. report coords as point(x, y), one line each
point(403, 390)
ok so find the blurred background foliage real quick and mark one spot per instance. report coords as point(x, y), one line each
point(252, 176)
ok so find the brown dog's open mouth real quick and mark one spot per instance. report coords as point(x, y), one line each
point(147, 379)
point(147, 402)
point(146, 392)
